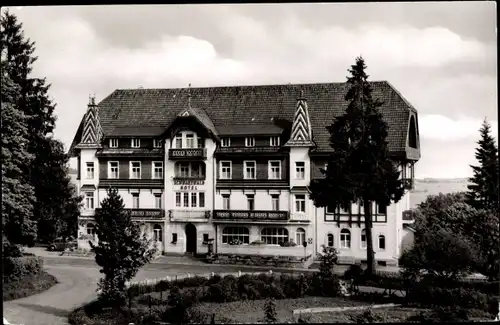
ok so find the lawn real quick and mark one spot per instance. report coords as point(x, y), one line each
point(390, 315)
point(28, 286)
point(251, 311)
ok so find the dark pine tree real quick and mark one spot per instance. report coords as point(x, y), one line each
point(484, 190)
point(121, 249)
point(55, 196)
point(359, 169)
point(17, 195)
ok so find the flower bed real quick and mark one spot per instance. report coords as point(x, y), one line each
point(261, 260)
point(28, 285)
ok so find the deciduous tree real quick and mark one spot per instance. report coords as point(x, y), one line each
point(359, 169)
point(121, 249)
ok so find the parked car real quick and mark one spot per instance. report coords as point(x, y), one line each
point(60, 244)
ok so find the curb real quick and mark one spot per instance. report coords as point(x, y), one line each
point(337, 309)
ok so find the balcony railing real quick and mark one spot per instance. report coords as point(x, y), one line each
point(299, 217)
point(250, 215)
point(188, 153)
point(408, 183)
point(145, 213)
point(188, 214)
point(408, 215)
point(242, 150)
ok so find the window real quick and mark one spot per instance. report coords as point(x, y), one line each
point(274, 236)
point(249, 142)
point(157, 143)
point(274, 169)
point(178, 141)
point(91, 230)
point(345, 238)
point(251, 202)
point(90, 170)
point(186, 200)
point(184, 169)
point(235, 233)
point(190, 140)
point(135, 169)
point(330, 209)
point(113, 143)
point(226, 202)
point(225, 142)
point(113, 169)
point(178, 199)
point(89, 200)
point(274, 141)
point(329, 239)
point(174, 238)
point(136, 143)
point(158, 233)
point(300, 203)
point(300, 170)
point(194, 196)
point(381, 242)
point(363, 238)
point(249, 169)
point(381, 209)
point(157, 169)
point(205, 238)
point(158, 201)
point(275, 202)
point(202, 200)
point(300, 236)
point(201, 142)
point(135, 200)
point(225, 170)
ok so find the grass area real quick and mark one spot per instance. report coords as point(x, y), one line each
point(389, 315)
point(251, 311)
point(28, 286)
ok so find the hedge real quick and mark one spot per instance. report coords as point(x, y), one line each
point(15, 268)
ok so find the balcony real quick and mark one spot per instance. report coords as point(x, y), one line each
point(187, 154)
point(408, 216)
point(297, 216)
point(148, 214)
point(189, 215)
point(408, 184)
point(245, 215)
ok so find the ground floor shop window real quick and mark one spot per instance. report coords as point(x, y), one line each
point(274, 236)
point(231, 234)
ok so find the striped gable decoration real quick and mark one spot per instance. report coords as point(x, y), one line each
point(92, 130)
point(301, 135)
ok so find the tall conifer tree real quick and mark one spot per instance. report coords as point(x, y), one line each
point(359, 169)
point(484, 190)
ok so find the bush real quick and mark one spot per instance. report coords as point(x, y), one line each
point(27, 286)
point(224, 291)
point(368, 316)
point(15, 268)
point(324, 286)
point(441, 314)
point(289, 243)
point(270, 315)
point(432, 296)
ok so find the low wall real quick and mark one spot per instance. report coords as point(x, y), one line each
point(264, 250)
point(262, 260)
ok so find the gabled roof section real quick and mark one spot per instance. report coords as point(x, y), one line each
point(92, 130)
point(301, 135)
point(238, 106)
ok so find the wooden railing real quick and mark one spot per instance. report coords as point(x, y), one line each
point(188, 153)
point(145, 213)
point(250, 215)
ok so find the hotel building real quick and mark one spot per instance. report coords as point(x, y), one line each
point(233, 164)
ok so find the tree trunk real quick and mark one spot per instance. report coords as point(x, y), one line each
point(370, 256)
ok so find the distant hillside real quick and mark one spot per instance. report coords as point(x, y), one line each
point(434, 186)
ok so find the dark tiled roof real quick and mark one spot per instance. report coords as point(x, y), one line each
point(242, 106)
point(266, 129)
point(130, 131)
point(130, 152)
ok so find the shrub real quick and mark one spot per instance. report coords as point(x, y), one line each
point(328, 261)
point(15, 268)
point(270, 315)
point(441, 314)
point(368, 316)
point(436, 296)
point(324, 286)
point(27, 286)
point(289, 243)
point(224, 291)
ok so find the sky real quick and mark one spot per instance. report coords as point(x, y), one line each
point(441, 56)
